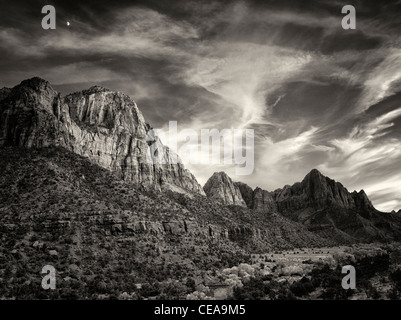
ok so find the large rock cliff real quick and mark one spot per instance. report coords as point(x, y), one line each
point(319, 203)
point(263, 201)
point(315, 191)
point(105, 126)
point(246, 193)
point(220, 187)
point(258, 199)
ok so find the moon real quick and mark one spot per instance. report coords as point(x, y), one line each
point(68, 23)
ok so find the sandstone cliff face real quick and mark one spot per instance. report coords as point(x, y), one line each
point(221, 188)
point(326, 207)
point(263, 201)
point(363, 204)
point(246, 193)
point(258, 199)
point(315, 191)
point(105, 126)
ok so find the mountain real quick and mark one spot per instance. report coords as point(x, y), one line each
point(78, 192)
point(246, 193)
point(104, 126)
point(264, 201)
point(327, 208)
point(258, 199)
point(221, 188)
point(317, 191)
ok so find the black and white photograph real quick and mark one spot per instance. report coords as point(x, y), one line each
point(203, 150)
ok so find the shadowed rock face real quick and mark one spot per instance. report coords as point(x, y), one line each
point(263, 201)
point(315, 191)
point(319, 192)
point(362, 203)
point(246, 193)
point(221, 188)
point(321, 204)
point(105, 126)
point(258, 199)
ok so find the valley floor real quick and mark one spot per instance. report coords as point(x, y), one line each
point(313, 273)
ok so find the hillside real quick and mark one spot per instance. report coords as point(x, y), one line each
point(105, 236)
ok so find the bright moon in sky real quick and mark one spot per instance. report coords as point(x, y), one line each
point(68, 23)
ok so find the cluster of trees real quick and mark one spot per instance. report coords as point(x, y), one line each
point(168, 291)
point(258, 289)
point(327, 280)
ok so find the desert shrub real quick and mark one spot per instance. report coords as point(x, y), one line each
point(191, 285)
point(368, 266)
point(302, 287)
point(175, 291)
point(254, 289)
point(149, 290)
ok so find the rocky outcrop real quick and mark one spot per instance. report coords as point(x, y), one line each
point(362, 203)
point(221, 188)
point(104, 126)
point(315, 191)
point(263, 201)
point(319, 203)
point(258, 199)
point(246, 193)
point(242, 233)
point(326, 207)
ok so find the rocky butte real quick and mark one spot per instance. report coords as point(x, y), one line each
point(105, 126)
point(221, 188)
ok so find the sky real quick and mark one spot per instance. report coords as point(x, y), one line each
point(316, 95)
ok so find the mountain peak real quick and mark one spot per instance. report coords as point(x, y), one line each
point(96, 88)
point(221, 175)
point(220, 187)
point(315, 191)
point(35, 83)
point(314, 172)
point(362, 202)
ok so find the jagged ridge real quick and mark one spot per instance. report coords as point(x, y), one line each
point(324, 206)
